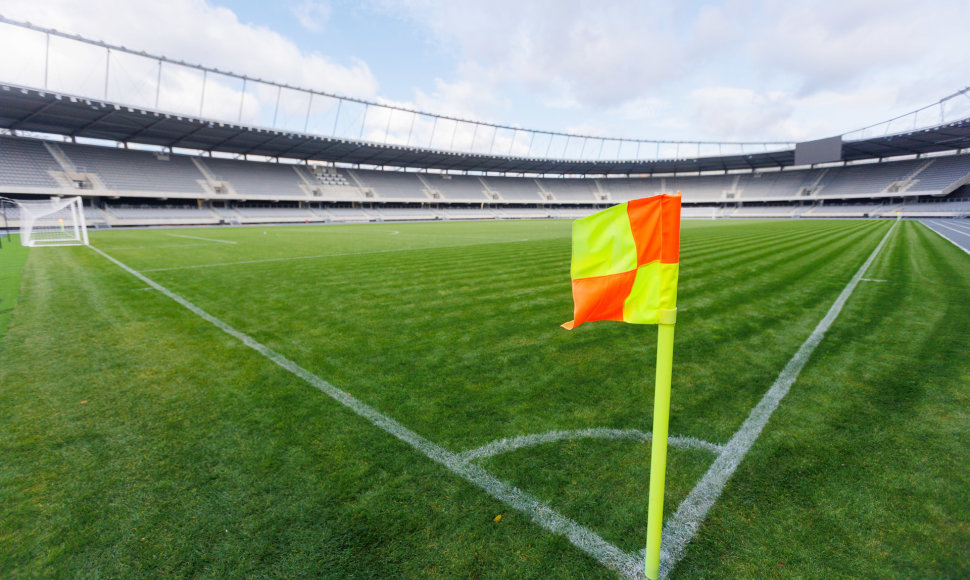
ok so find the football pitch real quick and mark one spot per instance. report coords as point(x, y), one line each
point(365, 401)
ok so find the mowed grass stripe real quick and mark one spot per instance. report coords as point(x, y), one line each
point(13, 256)
point(857, 473)
point(727, 246)
point(756, 322)
point(681, 527)
point(190, 456)
point(413, 338)
point(461, 346)
point(538, 512)
point(748, 255)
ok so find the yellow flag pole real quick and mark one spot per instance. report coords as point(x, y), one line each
point(658, 449)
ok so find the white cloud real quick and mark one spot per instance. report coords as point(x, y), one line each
point(651, 69)
point(312, 14)
point(733, 113)
point(563, 48)
point(744, 69)
point(198, 32)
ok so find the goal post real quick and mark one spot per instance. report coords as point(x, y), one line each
point(55, 222)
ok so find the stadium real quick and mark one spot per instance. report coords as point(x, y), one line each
point(289, 332)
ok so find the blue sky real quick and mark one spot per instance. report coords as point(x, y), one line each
point(718, 70)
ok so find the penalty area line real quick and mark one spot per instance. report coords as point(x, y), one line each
point(542, 514)
point(681, 528)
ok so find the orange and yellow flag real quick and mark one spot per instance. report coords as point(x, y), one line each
point(625, 262)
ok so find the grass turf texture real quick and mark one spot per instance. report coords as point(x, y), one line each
point(12, 259)
point(194, 455)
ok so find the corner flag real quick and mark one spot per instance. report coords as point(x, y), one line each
point(625, 265)
point(625, 262)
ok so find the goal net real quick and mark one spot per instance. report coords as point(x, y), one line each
point(56, 222)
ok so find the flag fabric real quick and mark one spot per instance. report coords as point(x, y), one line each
point(625, 262)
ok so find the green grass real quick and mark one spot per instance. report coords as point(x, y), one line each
point(138, 439)
point(12, 259)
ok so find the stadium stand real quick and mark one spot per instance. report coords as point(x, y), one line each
point(943, 174)
point(774, 185)
point(397, 185)
point(455, 187)
point(26, 163)
point(867, 179)
point(257, 179)
point(135, 171)
point(581, 190)
point(35, 167)
point(705, 188)
point(515, 188)
point(625, 189)
point(328, 183)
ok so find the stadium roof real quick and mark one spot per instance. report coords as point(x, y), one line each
point(33, 110)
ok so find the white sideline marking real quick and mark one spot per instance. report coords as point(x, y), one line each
point(200, 238)
point(955, 223)
point(512, 443)
point(958, 229)
point(948, 238)
point(681, 528)
point(317, 256)
point(583, 538)
point(872, 280)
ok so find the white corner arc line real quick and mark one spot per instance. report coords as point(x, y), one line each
point(583, 538)
point(683, 525)
point(201, 238)
point(508, 444)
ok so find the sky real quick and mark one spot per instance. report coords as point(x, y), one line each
point(728, 70)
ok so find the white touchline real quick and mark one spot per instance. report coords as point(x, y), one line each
point(681, 527)
point(200, 238)
point(583, 538)
point(318, 256)
point(512, 443)
point(956, 223)
point(959, 228)
point(946, 237)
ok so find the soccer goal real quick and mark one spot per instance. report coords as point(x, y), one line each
point(55, 222)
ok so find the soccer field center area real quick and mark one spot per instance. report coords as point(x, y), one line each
point(399, 400)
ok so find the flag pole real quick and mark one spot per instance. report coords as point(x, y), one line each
point(658, 449)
